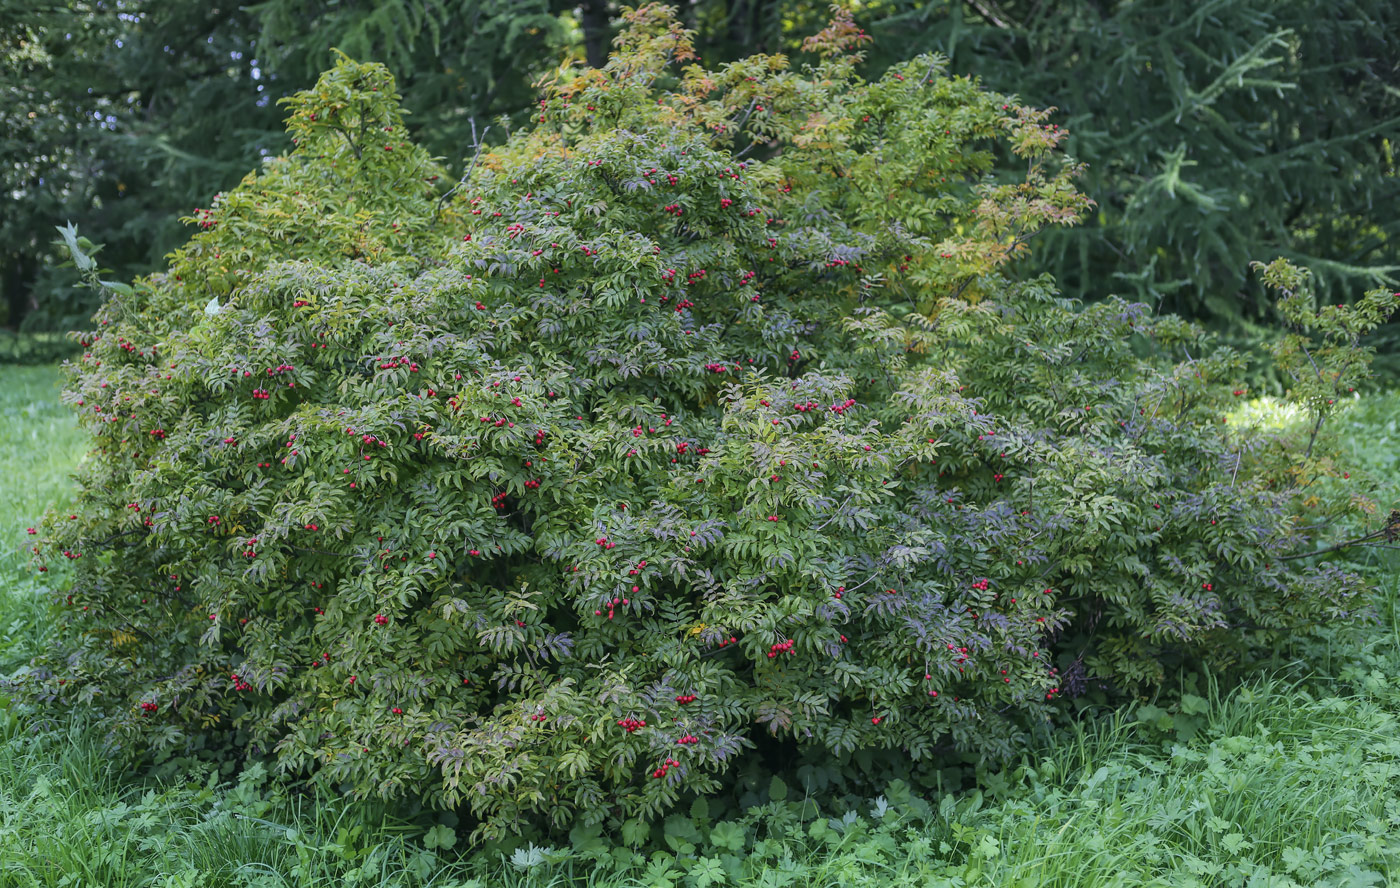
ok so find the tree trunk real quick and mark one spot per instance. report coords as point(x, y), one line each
point(16, 286)
point(595, 31)
point(741, 25)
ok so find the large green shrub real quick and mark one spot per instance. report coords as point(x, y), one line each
point(547, 494)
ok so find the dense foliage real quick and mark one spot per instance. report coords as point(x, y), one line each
point(550, 493)
point(1214, 132)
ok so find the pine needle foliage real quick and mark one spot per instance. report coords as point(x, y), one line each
point(1214, 132)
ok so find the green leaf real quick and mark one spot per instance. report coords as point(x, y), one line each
point(635, 832)
point(700, 810)
point(81, 259)
point(777, 789)
point(1194, 705)
point(439, 838)
point(728, 835)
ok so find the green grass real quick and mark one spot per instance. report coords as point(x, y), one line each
point(1278, 782)
point(68, 816)
point(40, 443)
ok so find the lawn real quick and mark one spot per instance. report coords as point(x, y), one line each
point(1291, 777)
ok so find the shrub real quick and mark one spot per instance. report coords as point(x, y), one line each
point(699, 412)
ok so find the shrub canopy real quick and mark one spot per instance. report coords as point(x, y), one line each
point(699, 411)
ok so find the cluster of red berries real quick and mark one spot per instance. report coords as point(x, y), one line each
point(730, 640)
point(982, 585)
point(673, 209)
point(613, 604)
point(603, 541)
point(539, 717)
point(782, 647)
point(261, 394)
point(685, 698)
point(533, 484)
point(661, 771)
point(1209, 587)
point(158, 434)
point(631, 724)
point(688, 739)
point(843, 406)
point(499, 500)
point(381, 620)
point(239, 684)
point(148, 708)
point(805, 407)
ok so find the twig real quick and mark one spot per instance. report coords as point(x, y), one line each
point(479, 144)
point(1388, 532)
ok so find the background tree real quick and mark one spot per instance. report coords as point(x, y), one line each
point(124, 116)
point(1215, 132)
point(118, 116)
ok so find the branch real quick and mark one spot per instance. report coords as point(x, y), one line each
point(988, 12)
point(478, 143)
point(1389, 533)
point(1312, 439)
point(116, 536)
